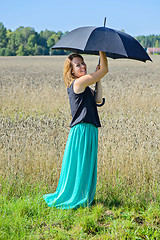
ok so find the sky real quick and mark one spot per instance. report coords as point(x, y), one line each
point(135, 17)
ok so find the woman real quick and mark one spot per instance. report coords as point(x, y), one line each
point(78, 178)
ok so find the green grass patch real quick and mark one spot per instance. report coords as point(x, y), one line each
point(25, 215)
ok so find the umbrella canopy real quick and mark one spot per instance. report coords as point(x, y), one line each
point(91, 40)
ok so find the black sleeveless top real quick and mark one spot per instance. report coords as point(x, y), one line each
point(83, 107)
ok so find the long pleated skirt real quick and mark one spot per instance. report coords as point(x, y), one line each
point(78, 178)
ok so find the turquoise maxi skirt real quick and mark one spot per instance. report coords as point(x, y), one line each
point(78, 178)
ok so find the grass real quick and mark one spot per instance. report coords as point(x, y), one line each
point(24, 215)
point(34, 120)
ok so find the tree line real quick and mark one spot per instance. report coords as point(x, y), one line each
point(149, 41)
point(26, 41)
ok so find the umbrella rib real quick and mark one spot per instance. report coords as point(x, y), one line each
point(122, 44)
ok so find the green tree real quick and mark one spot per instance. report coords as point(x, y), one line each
point(2, 51)
point(157, 44)
point(50, 41)
point(32, 40)
point(21, 51)
point(22, 34)
point(11, 45)
point(31, 44)
point(19, 36)
point(3, 36)
point(43, 37)
point(8, 52)
point(40, 50)
point(46, 34)
point(57, 36)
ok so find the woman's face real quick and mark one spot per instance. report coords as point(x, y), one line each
point(79, 67)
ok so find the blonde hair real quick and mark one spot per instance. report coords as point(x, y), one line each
point(68, 67)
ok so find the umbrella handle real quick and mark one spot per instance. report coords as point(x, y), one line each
point(101, 104)
point(103, 100)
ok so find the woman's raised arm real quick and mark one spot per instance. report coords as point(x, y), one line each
point(89, 79)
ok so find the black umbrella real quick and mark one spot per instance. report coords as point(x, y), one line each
point(91, 40)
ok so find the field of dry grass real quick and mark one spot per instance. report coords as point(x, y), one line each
point(35, 117)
